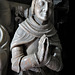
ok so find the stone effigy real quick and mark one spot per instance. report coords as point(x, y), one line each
point(36, 47)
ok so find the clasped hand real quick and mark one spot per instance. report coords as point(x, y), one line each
point(43, 49)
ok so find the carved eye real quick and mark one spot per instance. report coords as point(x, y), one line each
point(41, 3)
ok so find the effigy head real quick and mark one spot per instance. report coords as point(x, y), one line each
point(41, 8)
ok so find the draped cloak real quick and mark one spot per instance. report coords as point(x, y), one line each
point(27, 32)
point(29, 29)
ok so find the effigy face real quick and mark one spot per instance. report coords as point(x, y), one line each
point(43, 9)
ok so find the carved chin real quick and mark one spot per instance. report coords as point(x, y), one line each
point(44, 17)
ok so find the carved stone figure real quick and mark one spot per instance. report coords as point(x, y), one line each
point(4, 50)
point(36, 48)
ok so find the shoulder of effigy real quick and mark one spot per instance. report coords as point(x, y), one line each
point(19, 33)
point(22, 35)
point(4, 36)
point(20, 39)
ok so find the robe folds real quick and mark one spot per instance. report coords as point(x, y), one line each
point(28, 35)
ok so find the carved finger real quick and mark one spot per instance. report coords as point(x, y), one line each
point(47, 50)
point(42, 48)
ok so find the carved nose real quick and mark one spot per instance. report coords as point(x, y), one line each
point(46, 6)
